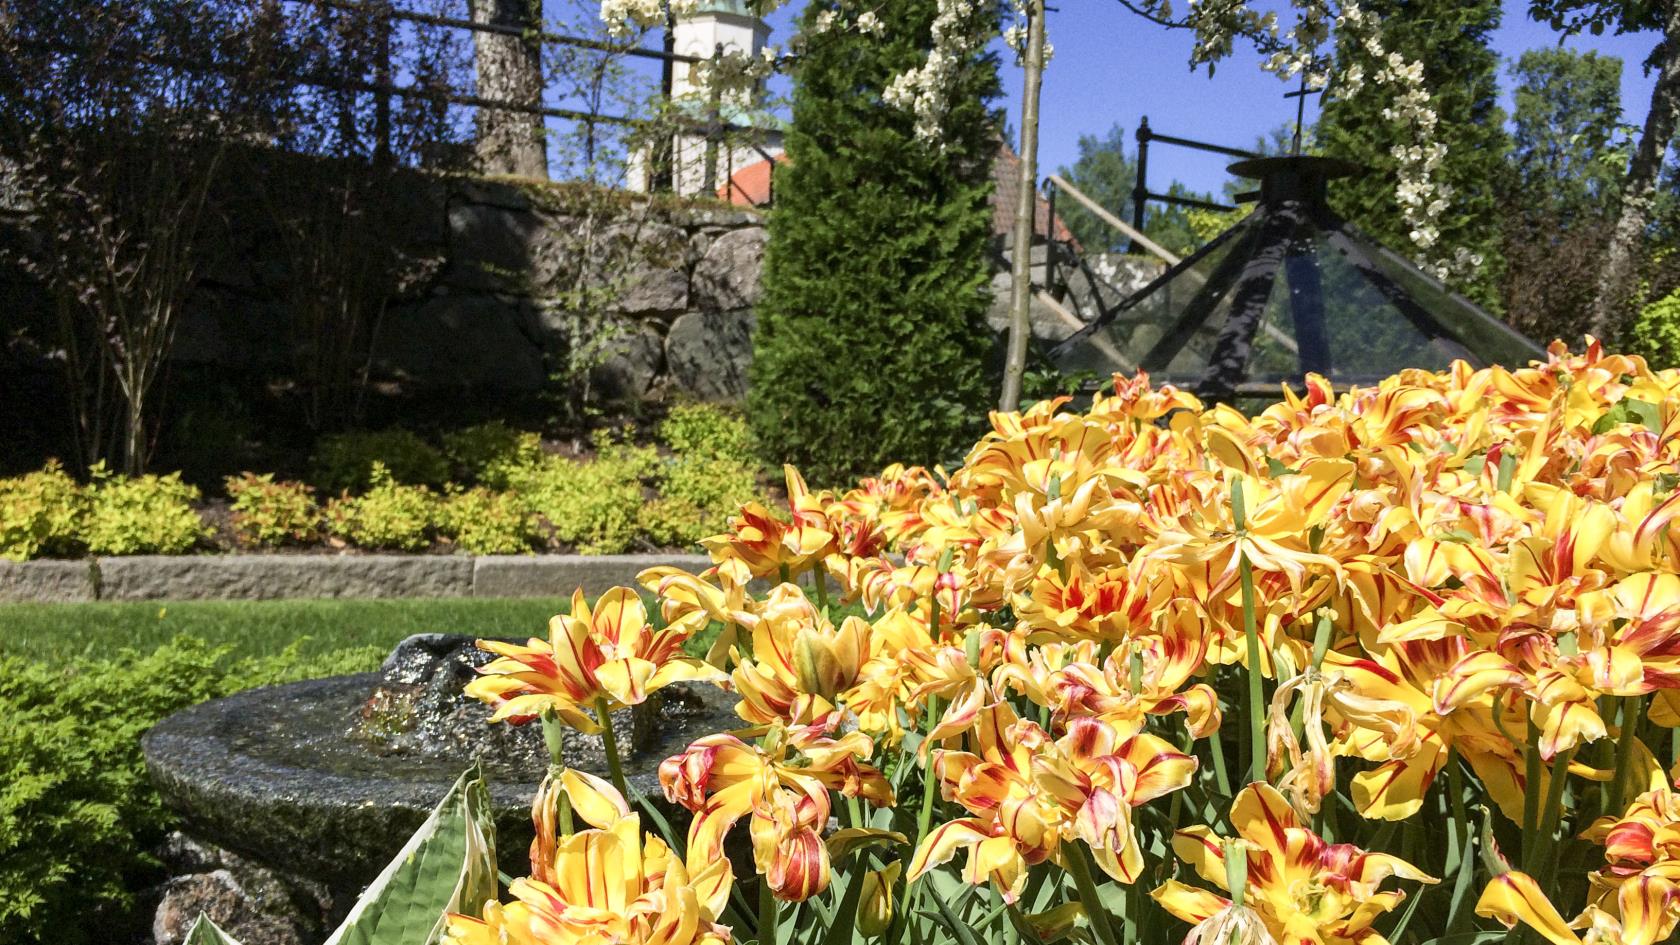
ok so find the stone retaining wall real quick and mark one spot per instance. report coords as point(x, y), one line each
point(274, 577)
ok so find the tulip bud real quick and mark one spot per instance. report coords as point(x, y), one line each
point(827, 661)
point(875, 906)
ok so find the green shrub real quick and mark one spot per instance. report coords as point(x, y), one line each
point(139, 515)
point(483, 522)
point(707, 430)
point(345, 460)
point(488, 453)
point(697, 495)
point(594, 506)
point(268, 513)
point(78, 817)
point(40, 513)
point(1656, 332)
point(871, 344)
point(388, 516)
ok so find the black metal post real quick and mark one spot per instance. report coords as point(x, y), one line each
point(1140, 191)
point(1051, 247)
point(714, 124)
point(382, 101)
point(662, 152)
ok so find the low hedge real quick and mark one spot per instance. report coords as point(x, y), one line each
point(78, 818)
point(489, 489)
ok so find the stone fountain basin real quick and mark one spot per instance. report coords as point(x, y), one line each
point(270, 774)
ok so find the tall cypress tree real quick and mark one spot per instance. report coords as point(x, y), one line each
point(872, 345)
point(1450, 38)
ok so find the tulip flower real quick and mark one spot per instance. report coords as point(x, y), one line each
point(783, 787)
point(608, 884)
point(1304, 890)
point(606, 652)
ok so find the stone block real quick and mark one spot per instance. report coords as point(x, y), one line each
point(708, 354)
point(560, 575)
point(632, 361)
point(46, 582)
point(272, 577)
point(497, 249)
point(728, 277)
point(480, 341)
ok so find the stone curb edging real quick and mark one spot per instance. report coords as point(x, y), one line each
point(278, 577)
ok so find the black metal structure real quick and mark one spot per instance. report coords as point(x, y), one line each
point(1289, 290)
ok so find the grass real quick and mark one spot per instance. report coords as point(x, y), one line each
point(261, 628)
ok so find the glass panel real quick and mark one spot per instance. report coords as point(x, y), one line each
point(1485, 340)
point(1369, 336)
point(1275, 355)
point(1125, 342)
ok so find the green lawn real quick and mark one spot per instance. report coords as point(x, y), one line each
point(261, 628)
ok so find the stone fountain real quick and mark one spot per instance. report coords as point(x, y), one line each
point(292, 798)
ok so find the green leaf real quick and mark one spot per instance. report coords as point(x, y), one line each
point(206, 932)
point(1468, 938)
point(449, 865)
point(1630, 410)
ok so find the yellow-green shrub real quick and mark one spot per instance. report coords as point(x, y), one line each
point(346, 460)
point(489, 452)
point(711, 474)
point(593, 506)
point(707, 430)
point(483, 522)
point(138, 515)
point(40, 513)
point(1656, 332)
point(268, 513)
point(697, 495)
point(388, 516)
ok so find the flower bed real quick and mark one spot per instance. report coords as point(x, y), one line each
point(1157, 667)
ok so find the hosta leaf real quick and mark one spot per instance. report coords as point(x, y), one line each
point(206, 932)
point(449, 865)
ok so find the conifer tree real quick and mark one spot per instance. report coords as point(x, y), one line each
point(871, 345)
point(1450, 38)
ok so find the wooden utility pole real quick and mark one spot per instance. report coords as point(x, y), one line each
point(1026, 211)
point(509, 68)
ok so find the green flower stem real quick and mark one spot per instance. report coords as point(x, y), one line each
point(1617, 795)
point(1531, 793)
point(822, 589)
point(1078, 865)
point(768, 912)
point(1251, 635)
point(553, 737)
point(1216, 747)
point(1546, 859)
point(1463, 833)
point(609, 743)
point(924, 817)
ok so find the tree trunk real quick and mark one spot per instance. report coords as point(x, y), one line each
point(509, 68)
point(1621, 257)
point(1026, 210)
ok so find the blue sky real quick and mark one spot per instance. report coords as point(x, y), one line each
point(1112, 66)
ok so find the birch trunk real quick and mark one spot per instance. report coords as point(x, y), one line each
point(509, 68)
point(1026, 210)
point(1620, 270)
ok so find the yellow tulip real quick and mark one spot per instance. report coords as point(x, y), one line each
point(607, 884)
point(609, 651)
point(1303, 889)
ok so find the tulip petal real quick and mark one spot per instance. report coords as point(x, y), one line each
point(1516, 897)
